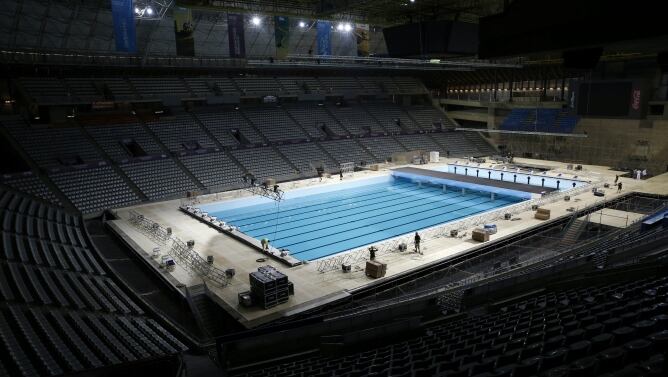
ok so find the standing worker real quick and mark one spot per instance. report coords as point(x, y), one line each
point(265, 244)
point(341, 174)
point(619, 187)
point(616, 179)
point(417, 243)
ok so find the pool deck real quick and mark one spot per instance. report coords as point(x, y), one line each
point(313, 288)
point(476, 180)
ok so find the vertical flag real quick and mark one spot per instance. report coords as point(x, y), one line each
point(235, 35)
point(282, 36)
point(183, 29)
point(122, 12)
point(324, 29)
point(362, 38)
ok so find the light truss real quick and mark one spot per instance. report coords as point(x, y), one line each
point(151, 10)
point(273, 193)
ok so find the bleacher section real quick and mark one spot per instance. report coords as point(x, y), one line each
point(274, 122)
point(52, 147)
point(262, 86)
point(83, 89)
point(31, 184)
point(355, 119)
point(155, 87)
point(263, 163)
point(214, 170)
point(348, 151)
point(344, 84)
point(457, 144)
point(221, 122)
point(118, 88)
point(589, 330)
point(426, 116)
point(96, 189)
point(419, 142)
point(382, 147)
point(312, 117)
point(540, 120)
point(159, 179)
point(46, 89)
point(306, 156)
point(391, 117)
point(181, 133)
point(60, 312)
point(115, 140)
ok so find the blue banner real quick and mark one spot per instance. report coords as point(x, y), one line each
point(324, 37)
point(124, 25)
point(235, 35)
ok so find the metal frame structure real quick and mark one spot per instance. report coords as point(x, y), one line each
point(186, 257)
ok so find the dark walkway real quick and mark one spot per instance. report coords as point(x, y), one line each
point(476, 180)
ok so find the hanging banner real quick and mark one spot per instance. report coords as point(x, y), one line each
point(235, 35)
point(362, 37)
point(324, 37)
point(282, 36)
point(123, 15)
point(183, 29)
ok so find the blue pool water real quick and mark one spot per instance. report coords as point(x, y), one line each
point(314, 225)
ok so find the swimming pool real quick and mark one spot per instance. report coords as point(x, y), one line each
point(314, 223)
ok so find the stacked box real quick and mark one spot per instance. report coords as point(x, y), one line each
point(375, 269)
point(269, 287)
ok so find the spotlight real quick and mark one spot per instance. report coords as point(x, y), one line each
point(256, 21)
point(347, 27)
point(412, 1)
point(339, 27)
point(137, 10)
point(149, 11)
point(302, 24)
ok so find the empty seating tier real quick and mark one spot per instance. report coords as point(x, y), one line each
point(306, 157)
point(181, 133)
point(264, 163)
point(213, 170)
point(348, 151)
point(159, 179)
point(124, 141)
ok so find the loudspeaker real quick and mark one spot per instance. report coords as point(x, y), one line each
point(582, 59)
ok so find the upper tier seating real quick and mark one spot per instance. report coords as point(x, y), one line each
point(409, 84)
point(84, 89)
point(52, 147)
point(274, 122)
point(419, 142)
point(585, 331)
point(426, 116)
point(95, 189)
point(115, 140)
point(60, 312)
point(150, 87)
point(159, 179)
point(118, 88)
point(343, 84)
point(457, 144)
point(46, 89)
point(181, 133)
point(258, 85)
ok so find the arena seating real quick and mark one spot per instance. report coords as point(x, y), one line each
point(264, 163)
point(46, 90)
point(260, 85)
point(391, 117)
point(180, 133)
point(426, 116)
point(118, 88)
point(355, 119)
point(51, 147)
point(152, 87)
point(382, 147)
point(83, 89)
point(588, 330)
point(31, 184)
point(419, 142)
point(159, 179)
point(457, 144)
point(222, 121)
point(345, 84)
point(312, 117)
point(306, 156)
point(348, 151)
point(113, 139)
point(213, 170)
point(61, 313)
point(274, 122)
point(94, 189)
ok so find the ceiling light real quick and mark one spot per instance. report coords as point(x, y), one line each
point(347, 27)
point(149, 11)
point(339, 27)
point(256, 20)
point(302, 24)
